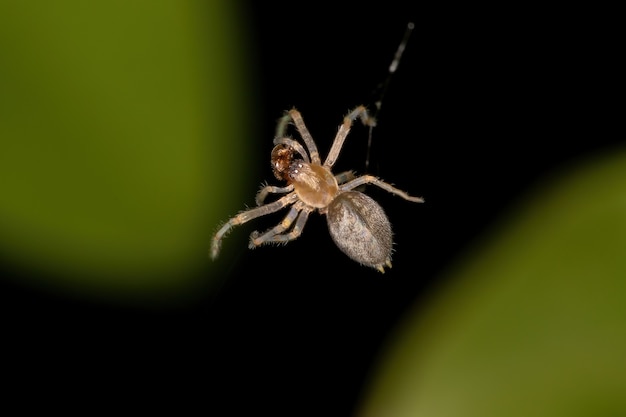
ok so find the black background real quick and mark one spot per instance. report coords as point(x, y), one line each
point(487, 103)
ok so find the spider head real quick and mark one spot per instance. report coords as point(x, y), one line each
point(282, 157)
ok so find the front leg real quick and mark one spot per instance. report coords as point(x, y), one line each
point(359, 112)
point(294, 116)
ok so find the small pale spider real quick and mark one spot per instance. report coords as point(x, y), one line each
point(357, 223)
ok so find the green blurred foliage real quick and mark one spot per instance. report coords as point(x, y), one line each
point(118, 120)
point(532, 322)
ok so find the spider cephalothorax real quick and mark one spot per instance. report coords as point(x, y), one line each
point(357, 224)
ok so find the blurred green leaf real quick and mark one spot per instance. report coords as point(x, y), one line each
point(118, 120)
point(532, 322)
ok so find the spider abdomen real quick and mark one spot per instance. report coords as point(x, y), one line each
point(359, 227)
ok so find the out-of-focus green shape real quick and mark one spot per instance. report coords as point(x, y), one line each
point(532, 322)
point(122, 128)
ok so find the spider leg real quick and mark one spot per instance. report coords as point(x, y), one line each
point(369, 179)
point(295, 116)
point(344, 129)
point(267, 189)
point(298, 213)
point(246, 216)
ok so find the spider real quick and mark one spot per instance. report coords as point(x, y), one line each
point(357, 224)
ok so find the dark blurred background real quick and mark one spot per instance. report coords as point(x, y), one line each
point(488, 102)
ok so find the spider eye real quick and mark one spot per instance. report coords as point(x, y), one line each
point(282, 156)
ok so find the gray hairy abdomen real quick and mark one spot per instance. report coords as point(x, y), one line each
point(359, 227)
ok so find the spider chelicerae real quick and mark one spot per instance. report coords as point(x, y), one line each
point(357, 224)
